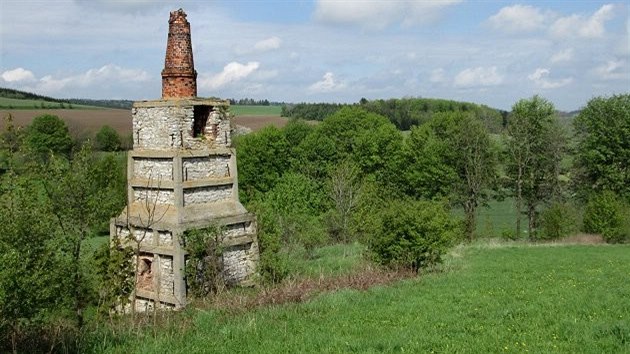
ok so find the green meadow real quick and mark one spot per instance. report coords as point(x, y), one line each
point(487, 297)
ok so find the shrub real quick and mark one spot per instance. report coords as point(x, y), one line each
point(414, 234)
point(607, 214)
point(557, 221)
point(295, 203)
point(115, 269)
point(107, 139)
point(272, 266)
point(48, 133)
point(204, 266)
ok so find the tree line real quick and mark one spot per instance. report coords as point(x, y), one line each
point(403, 112)
point(253, 102)
point(350, 176)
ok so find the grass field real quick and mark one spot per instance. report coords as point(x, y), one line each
point(256, 110)
point(489, 298)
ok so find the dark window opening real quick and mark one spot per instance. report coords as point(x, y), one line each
point(201, 114)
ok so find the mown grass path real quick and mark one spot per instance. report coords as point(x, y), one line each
point(539, 299)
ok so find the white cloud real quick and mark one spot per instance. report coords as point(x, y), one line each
point(612, 70)
point(437, 76)
point(123, 5)
point(327, 84)
point(563, 55)
point(267, 44)
point(540, 78)
point(109, 74)
point(479, 76)
point(232, 72)
point(581, 26)
point(380, 14)
point(18, 74)
point(518, 18)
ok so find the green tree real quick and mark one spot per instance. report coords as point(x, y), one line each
point(424, 171)
point(351, 133)
point(297, 202)
point(107, 139)
point(534, 149)
point(452, 156)
point(33, 276)
point(608, 215)
point(603, 150)
point(413, 234)
point(345, 192)
point(472, 156)
point(262, 160)
point(48, 134)
point(79, 203)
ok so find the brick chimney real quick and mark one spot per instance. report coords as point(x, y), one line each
point(179, 78)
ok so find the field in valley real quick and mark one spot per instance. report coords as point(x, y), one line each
point(488, 297)
point(90, 120)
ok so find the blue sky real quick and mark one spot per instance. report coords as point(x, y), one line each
point(490, 52)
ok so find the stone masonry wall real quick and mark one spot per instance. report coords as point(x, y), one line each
point(146, 236)
point(239, 229)
point(153, 169)
point(206, 167)
point(171, 127)
point(218, 121)
point(162, 196)
point(167, 275)
point(161, 128)
point(207, 194)
point(239, 262)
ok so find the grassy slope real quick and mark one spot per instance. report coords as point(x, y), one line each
point(255, 110)
point(536, 299)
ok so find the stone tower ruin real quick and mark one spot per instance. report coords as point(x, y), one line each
point(182, 175)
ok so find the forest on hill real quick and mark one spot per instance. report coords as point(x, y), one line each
point(403, 112)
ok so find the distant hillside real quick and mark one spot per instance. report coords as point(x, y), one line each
point(16, 99)
point(23, 95)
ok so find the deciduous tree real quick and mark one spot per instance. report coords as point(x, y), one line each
point(48, 133)
point(535, 146)
point(603, 150)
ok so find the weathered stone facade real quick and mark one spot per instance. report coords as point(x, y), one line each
point(182, 175)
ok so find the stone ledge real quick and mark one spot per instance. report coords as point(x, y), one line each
point(182, 102)
point(208, 182)
point(151, 295)
point(239, 240)
point(152, 183)
point(184, 153)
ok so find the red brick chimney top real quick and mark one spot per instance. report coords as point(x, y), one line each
point(179, 78)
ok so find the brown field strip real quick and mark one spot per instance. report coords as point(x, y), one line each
point(82, 121)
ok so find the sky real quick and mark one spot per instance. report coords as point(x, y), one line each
point(483, 51)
